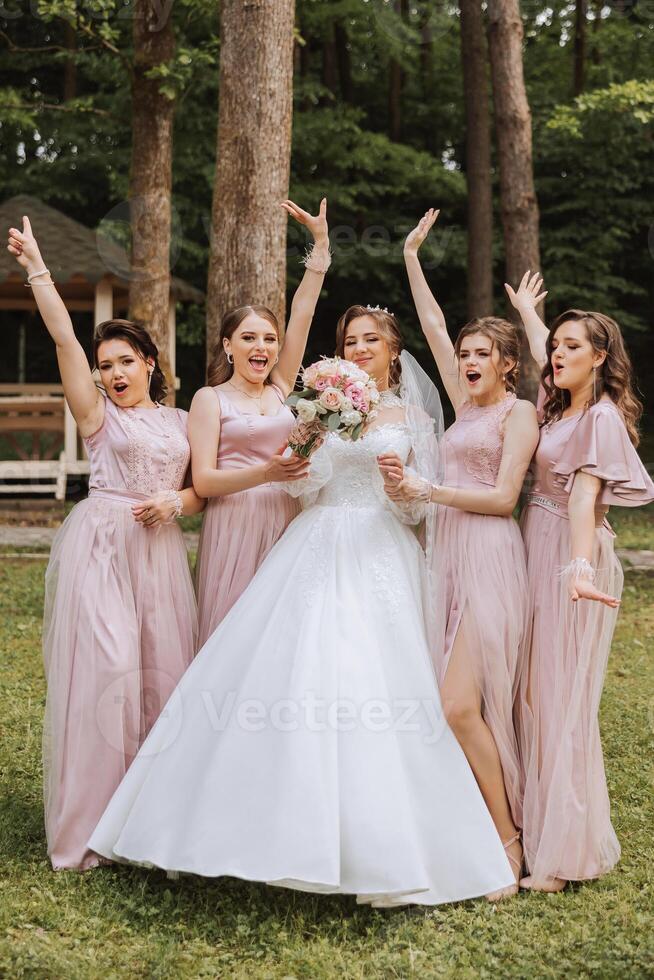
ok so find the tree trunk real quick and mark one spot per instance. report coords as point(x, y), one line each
point(150, 181)
point(474, 53)
point(247, 262)
point(581, 13)
point(519, 206)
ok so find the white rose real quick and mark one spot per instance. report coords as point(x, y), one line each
point(351, 418)
point(347, 405)
point(306, 410)
point(373, 395)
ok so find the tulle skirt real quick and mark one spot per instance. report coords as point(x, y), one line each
point(567, 821)
point(305, 745)
point(120, 628)
point(483, 587)
point(238, 531)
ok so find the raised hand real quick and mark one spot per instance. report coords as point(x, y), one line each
point(416, 237)
point(528, 295)
point(316, 223)
point(582, 588)
point(22, 245)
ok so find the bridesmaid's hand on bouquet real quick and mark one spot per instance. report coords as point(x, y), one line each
point(528, 296)
point(416, 237)
point(581, 588)
point(317, 224)
point(281, 468)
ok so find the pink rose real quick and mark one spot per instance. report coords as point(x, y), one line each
point(331, 399)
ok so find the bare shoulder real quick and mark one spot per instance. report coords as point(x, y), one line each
point(204, 400)
point(523, 412)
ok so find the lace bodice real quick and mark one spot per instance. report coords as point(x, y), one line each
point(474, 444)
point(139, 450)
point(355, 478)
point(346, 474)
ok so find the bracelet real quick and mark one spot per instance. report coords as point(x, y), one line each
point(578, 568)
point(308, 263)
point(31, 285)
point(173, 497)
point(424, 493)
point(34, 275)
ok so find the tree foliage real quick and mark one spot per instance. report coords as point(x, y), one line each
point(593, 155)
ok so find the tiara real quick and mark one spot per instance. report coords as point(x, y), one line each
point(378, 309)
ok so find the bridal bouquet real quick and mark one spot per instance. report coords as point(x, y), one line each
point(337, 396)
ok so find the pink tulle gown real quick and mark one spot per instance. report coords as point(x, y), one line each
point(567, 822)
point(120, 623)
point(483, 581)
point(239, 529)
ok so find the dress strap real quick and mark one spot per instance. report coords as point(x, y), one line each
point(279, 393)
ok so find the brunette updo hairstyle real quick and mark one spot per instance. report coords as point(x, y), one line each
point(141, 343)
point(503, 336)
point(220, 370)
point(387, 326)
point(613, 377)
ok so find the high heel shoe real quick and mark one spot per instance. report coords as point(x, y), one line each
point(510, 890)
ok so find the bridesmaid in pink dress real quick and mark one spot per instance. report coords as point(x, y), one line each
point(120, 619)
point(482, 582)
point(585, 462)
point(238, 427)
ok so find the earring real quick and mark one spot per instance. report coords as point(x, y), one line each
point(230, 358)
point(150, 373)
point(594, 384)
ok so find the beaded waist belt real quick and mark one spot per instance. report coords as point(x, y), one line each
point(561, 510)
point(537, 498)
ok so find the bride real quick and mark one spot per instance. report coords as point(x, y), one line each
point(305, 745)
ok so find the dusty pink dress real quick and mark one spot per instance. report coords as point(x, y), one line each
point(239, 529)
point(567, 822)
point(120, 623)
point(483, 579)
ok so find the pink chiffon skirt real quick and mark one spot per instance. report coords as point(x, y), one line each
point(120, 629)
point(567, 821)
point(238, 531)
point(483, 582)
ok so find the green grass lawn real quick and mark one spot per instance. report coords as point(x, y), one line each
point(121, 923)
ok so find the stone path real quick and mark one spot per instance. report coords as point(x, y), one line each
point(40, 538)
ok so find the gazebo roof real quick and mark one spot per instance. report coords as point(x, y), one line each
point(73, 251)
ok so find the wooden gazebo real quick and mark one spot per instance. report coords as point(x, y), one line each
point(92, 275)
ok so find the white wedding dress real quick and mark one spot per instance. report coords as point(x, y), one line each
point(305, 745)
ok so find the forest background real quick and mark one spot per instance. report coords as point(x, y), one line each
point(379, 126)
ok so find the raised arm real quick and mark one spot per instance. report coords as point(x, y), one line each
point(86, 402)
point(429, 312)
point(204, 437)
point(284, 375)
point(520, 441)
point(525, 301)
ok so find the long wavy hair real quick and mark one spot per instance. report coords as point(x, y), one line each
point(219, 369)
point(503, 335)
point(141, 343)
point(388, 328)
point(614, 377)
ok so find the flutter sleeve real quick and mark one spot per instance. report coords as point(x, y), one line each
point(309, 487)
point(600, 445)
